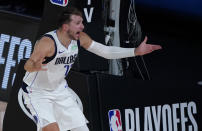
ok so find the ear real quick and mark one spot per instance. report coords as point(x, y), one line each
point(65, 27)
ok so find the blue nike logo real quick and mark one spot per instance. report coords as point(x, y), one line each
point(61, 52)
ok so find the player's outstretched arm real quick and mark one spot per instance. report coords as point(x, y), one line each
point(113, 52)
point(42, 49)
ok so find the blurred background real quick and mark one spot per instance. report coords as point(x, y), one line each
point(176, 25)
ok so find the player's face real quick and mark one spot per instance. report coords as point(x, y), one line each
point(75, 27)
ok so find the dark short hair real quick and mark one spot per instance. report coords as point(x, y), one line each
point(65, 16)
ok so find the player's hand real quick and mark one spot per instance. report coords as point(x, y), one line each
point(34, 66)
point(39, 66)
point(145, 48)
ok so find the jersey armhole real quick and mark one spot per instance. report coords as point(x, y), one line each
point(48, 59)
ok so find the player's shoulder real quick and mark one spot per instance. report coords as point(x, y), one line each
point(45, 44)
point(83, 34)
point(46, 41)
point(85, 40)
point(48, 37)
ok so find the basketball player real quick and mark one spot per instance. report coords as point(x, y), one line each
point(44, 84)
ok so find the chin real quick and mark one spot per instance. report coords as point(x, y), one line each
point(76, 38)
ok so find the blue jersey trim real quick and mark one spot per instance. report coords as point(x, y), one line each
point(78, 44)
point(48, 59)
point(24, 87)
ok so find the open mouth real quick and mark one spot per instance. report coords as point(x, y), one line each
point(77, 33)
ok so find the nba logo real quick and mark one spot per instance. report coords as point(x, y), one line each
point(59, 2)
point(115, 120)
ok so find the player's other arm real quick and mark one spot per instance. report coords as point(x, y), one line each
point(113, 52)
point(43, 48)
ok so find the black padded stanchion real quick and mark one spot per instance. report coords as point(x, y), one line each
point(15, 118)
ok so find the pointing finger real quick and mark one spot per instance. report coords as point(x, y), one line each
point(156, 47)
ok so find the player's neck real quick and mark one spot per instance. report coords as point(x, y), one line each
point(63, 38)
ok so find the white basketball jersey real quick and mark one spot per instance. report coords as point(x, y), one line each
point(57, 68)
